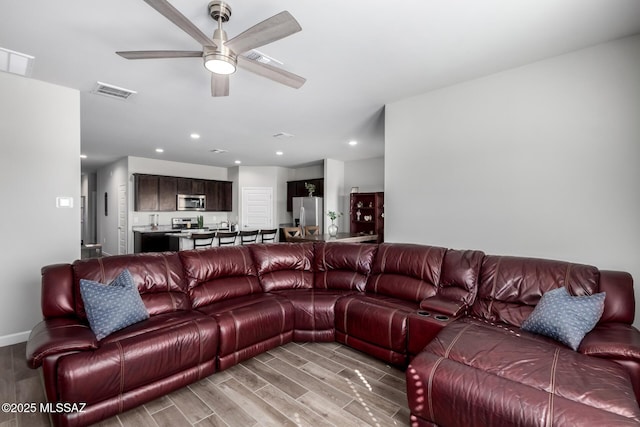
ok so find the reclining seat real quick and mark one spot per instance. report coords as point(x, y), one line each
point(313, 278)
point(222, 283)
point(484, 370)
point(113, 375)
point(376, 322)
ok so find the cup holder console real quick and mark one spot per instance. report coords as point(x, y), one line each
point(424, 313)
point(441, 317)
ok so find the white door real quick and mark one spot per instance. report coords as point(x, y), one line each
point(257, 208)
point(122, 219)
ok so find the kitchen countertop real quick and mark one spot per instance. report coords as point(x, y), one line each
point(168, 229)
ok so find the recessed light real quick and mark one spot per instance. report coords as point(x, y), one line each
point(159, 150)
point(195, 136)
point(353, 142)
point(279, 153)
point(237, 162)
point(83, 156)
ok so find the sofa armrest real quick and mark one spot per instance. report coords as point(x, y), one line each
point(617, 341)
point(444, 306)
point(61, 334)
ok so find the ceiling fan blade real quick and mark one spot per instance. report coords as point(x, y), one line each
point(174, 15)
point(219, 84)
point(275, 28)
point(274, 73)
point(157, 54)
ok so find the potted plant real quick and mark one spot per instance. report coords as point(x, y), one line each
point(310, 188)
point(333, 228)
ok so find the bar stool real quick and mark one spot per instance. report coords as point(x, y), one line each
point(247, 237)
point(290, 232)
point(226, 237)
point(311, 230)
point(268, 235)
point(202, 240)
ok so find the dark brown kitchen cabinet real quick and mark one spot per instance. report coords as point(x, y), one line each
point(197, 186)
point(298, 189)
point(167, 190)
point(184, 185)
point(218, 196)
point(158, 193)
point(146, 197)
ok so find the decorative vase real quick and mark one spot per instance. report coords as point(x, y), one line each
point(332, 229)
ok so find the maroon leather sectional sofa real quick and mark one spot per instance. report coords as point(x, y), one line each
point(214, 308)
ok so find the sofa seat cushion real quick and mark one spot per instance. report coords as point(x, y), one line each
point(477, 374)
point(377, 320)
point(246, 322)
point(127, 361)
point(314, 312)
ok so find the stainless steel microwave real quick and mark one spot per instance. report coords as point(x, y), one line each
point(191, 202)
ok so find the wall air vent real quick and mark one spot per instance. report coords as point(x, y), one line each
point(112, 91)
point(16, 62)
point(218, 151)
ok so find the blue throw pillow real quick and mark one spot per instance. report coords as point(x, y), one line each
point(564, 317)
point(114, 306)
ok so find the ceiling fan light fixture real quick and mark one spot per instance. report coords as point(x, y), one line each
point(219, 63)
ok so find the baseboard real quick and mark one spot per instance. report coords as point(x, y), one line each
point(14, 338)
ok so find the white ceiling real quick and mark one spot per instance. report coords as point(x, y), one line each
point(357, 56)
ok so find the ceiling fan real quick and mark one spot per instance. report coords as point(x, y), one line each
point(222, 56)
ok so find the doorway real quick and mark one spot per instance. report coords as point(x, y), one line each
point(257, 208)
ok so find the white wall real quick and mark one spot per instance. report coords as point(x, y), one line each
point(334, 194)
point(38, 163)
point(109, 179)
point(542, 160)
point(367, 175)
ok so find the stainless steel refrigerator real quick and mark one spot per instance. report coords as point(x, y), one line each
point(308, 211)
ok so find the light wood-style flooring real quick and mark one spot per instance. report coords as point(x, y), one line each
point(311, 384)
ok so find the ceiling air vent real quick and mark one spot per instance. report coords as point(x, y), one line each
point(218, 151)
point(16, 62)
point(256, 55)
point(112, 91)
point(282, 135)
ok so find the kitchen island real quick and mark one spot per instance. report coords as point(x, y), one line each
point(182, 241)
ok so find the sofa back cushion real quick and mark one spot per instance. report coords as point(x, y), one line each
point(510, 287)
point(218, 274)
point(460, 275)
point(284, 266)
point(406, 271)
point(158, 276)
point(343, 266)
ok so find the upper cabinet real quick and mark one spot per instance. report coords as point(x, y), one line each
point(158, 193)
point(146, 188)
point(298, 189)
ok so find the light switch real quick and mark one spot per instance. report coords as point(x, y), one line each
point(64, 202)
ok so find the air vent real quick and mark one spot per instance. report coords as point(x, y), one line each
point(282, 135)
point(258, 56)
point(16, 62)
point(218, 151)
point(112, 91)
